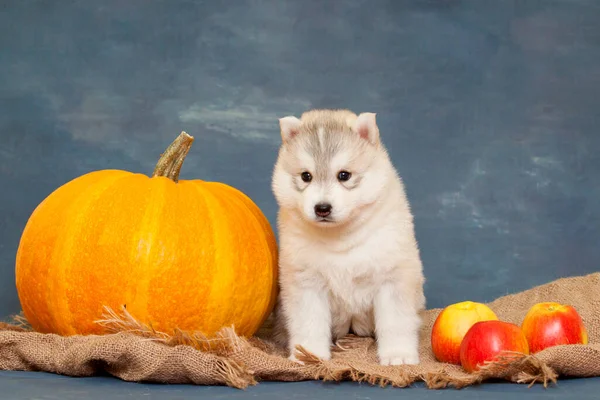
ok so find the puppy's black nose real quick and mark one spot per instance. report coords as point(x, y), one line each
point(323, 209)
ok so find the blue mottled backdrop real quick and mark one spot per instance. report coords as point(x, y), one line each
point(489, 110)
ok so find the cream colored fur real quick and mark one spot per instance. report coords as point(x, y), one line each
point(361, 269)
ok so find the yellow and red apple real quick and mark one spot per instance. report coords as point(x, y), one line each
point(486, 340)
point(550, 324)
point(452, 324)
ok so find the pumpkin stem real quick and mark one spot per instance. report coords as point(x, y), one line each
point(170, 162)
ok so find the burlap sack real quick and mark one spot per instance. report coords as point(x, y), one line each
point(136, 353)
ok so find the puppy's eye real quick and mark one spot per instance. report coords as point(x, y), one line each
point(306, 176)
point(343, 176)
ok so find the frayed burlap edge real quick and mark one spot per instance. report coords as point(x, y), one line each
point(518, 368)
point(236, 373)
point(247, 361)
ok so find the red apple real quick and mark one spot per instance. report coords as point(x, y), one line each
point(550, 324)
point(488, 339)
point(452, 324)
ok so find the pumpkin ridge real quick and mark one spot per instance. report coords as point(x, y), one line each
point(34, 295)
point(264, 231)
point(270, 239)
point(224, 254)
point(197, 248)
point(142, 247)
point(256, 212)
point(195, 200)
point(240, 265)
point(60, 260)
point(111, 219)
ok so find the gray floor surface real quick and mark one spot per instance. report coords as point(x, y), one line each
point(34, 385)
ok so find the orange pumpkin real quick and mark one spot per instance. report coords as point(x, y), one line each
point(191, 255)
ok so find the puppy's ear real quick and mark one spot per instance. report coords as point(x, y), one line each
point(365, 125)
point(289, 127)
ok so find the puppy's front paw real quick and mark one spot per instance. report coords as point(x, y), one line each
point(398, 357)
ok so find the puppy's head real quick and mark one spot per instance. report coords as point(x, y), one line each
point(331, 165)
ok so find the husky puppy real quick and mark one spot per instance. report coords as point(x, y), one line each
point(349, 261)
